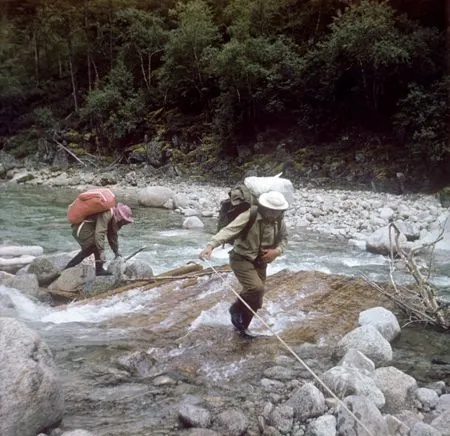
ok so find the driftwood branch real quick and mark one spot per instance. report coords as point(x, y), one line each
point(419, 301)
point(69, 152)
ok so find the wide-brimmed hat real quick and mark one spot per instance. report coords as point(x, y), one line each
point(122, 212)
point(273, 200)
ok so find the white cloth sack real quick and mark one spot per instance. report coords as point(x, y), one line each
point(259, 185)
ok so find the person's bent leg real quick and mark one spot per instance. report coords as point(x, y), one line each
point(85, 252)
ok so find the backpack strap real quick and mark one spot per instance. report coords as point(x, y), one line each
point(251, 221)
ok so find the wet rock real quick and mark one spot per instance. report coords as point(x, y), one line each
point(193, 222)
point(74, 278)
point(232, 422)
point(279, 373)
point(27, 283)
point(77, 432)
point(32, 397)
point(47, 267)
point(307, 402)
point(282, 418)
point(138, 363)
point(194, 416)
point(138, 269)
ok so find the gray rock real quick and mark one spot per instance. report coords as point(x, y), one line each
point(232, 422)
point(32, 397)
point(26, 283)
point(279, 373)
point(155, 196)
point(322, 426)
point(442, 423)
point(383, 320)
point(193, 222)
point(367, 414)
point(282, 418)
point(307, 402)
point(355, 359)
point(78, 432)
point(398, 388)
point(345, 381)
point(369, 341)
point(422, 429)
point(194, 416)
point(396, 427)
point(427, 397)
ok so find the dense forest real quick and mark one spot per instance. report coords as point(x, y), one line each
point(207, 78)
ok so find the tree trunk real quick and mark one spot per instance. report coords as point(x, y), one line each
point(72, 73)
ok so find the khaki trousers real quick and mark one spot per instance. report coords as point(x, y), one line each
point(252, 280)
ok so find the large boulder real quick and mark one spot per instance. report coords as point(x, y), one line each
point(31, 395)
point(47, 267)
point(156, 196)
point(383, 320)
point(381, 241)
point(369, 341)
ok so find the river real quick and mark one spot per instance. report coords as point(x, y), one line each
point(185, 333)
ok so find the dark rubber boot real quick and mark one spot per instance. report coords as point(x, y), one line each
point(99, 271)
point(236, 315)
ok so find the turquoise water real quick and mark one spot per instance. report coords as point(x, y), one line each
point(32, 215)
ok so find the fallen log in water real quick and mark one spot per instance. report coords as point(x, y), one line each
point(190, 273)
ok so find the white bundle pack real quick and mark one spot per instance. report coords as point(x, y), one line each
point(259, 185)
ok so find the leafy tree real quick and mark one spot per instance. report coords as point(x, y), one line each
point(184, 73)
point(258, 80)
point(142, 39)
point(253, 18)
point(366, 62)
point(115, 109)
point(422, 121)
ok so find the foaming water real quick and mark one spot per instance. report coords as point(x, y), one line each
point(16, 303)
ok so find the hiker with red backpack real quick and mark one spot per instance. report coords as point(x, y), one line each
point(254, 247)
point(105, 219)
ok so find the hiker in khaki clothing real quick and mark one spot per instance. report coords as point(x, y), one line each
point(93, 231)
point(265, 241)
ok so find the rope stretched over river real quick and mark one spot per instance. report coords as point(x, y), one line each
point(297, 357)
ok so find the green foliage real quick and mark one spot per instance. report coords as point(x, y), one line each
point(183, 74)
point(44, 117)
point(253, 18)
point(422, 121)
point(115, 109)
point(258, 78)
point(239, 69)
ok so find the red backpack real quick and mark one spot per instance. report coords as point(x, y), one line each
point(89, 203)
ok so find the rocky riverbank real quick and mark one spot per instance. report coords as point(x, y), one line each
point(359, 216)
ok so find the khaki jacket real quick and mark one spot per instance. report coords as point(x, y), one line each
point(261, 235)
point(94, 229)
